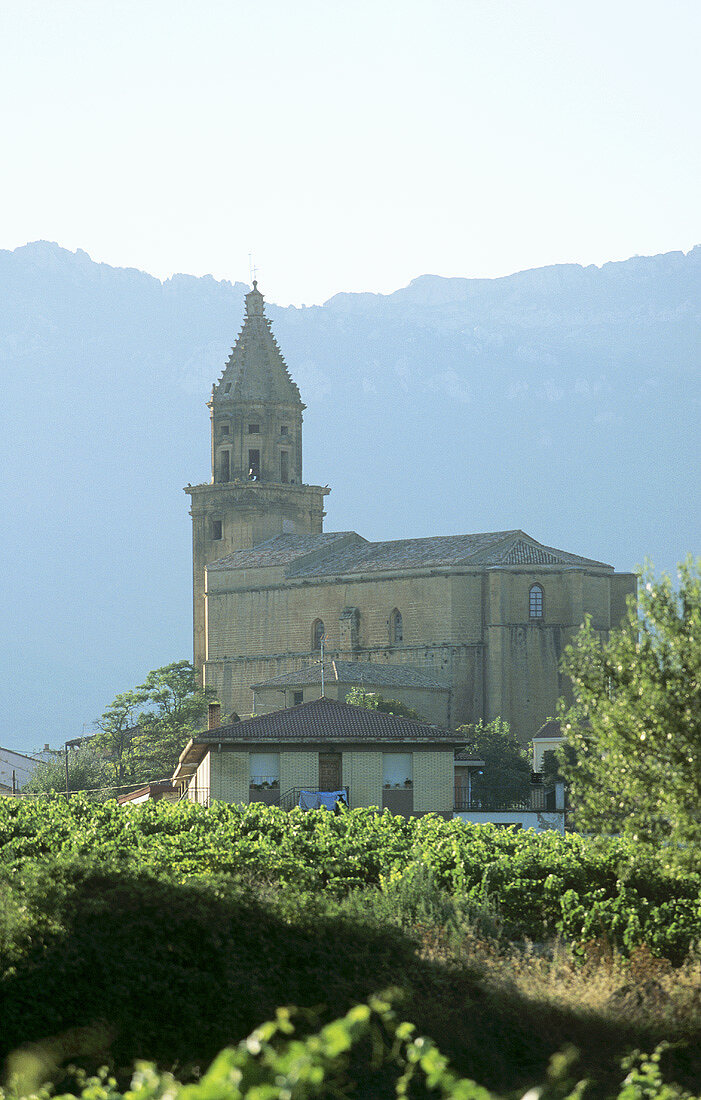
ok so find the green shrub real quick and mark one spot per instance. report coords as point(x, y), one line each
point(366, 1046)
point(535, 886)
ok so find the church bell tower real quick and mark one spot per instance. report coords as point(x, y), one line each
point(256, 489)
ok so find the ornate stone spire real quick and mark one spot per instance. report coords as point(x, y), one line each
point(256, 370)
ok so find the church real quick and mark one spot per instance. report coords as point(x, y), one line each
point(459, 627)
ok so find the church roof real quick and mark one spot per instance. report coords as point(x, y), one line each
point(280, 550)
point(491, 549)
point(356, 672)
point(344, 552)
point(256, 370)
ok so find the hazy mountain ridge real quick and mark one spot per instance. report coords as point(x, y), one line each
point(564, 400)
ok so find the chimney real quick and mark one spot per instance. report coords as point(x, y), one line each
point(213, 716)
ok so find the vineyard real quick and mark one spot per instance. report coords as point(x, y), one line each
point(169, 932)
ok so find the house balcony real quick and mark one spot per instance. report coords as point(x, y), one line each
point(265, 789)
point(466, 801)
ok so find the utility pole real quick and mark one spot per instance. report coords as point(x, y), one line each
point(71, 745)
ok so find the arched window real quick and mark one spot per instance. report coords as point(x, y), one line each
point(396, 628)
point(535, 601)
point(318, 631)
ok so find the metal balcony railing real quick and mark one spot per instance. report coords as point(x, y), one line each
point(466, 802)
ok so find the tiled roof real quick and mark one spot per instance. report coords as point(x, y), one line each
point(495, 548)
point(327, 720)
point(551, 728)
point(342, 552)
point(280, 550)
point(356, 672)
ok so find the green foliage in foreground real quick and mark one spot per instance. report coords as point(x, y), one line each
point(538, 886)
point(634, 732)
point(112, 962)
point(273, 1063)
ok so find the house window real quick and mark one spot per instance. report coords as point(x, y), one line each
point(227, 387)
point(284, 467)
point(216, 529)
point(396, 628)
point(264, 769)
point(224, 429)
point(254, 465)
point(535, 602)
point(254, 429)
point(297, 698)
point(224, 466)
point(284, 430)
point(397, 769)
point(318, 632)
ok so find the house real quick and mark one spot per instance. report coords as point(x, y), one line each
point(16, 768)
point(547, 739)
point(378, 760)
point(483, 617)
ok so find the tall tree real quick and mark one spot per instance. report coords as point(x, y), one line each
point(139, 736)
point(174, 707)
point(506, 775)
point(634, 730)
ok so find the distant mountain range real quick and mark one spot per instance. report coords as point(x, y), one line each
point(563, 400)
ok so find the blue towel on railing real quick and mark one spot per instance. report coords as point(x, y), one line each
point(328, 799)
point(324, 800)
point(308, 800)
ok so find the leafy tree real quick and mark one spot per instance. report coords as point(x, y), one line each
point(139, 736)
point(87, 771)
point(176, 707)
point(116, 738)
point(506, 775)
point(635, 726)
point(372, 700)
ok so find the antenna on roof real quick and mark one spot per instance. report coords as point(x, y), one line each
point(252, 269)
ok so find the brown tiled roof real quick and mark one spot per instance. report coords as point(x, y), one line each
point(327, 720)
point(356, 672)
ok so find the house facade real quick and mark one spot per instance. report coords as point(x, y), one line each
point(378, 760)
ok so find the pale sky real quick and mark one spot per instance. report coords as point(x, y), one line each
point(350, 145)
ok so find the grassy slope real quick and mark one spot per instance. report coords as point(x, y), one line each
point(173, 971)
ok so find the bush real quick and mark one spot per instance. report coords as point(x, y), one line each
point(539, 886)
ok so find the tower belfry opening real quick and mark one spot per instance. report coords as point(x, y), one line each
point(256, 489)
